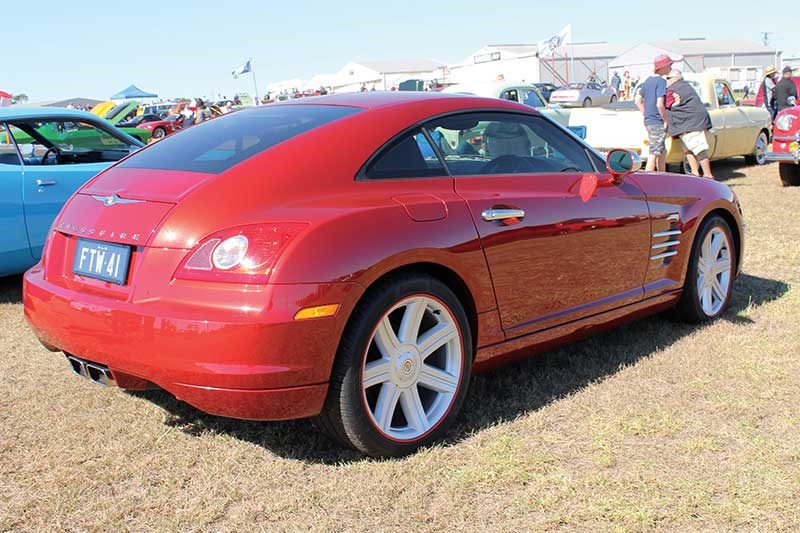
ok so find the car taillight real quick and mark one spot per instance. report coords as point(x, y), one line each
point(244, 254)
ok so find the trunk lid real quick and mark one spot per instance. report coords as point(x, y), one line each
point(145, 184)
point(112, 218)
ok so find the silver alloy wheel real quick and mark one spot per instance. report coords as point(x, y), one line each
point(413, 367)
point(159, 133)
point(761, 149)
point(714, 268)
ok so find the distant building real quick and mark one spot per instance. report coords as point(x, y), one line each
point(741, 61)
point(383, 75)
point(86, 103)
point(521, 62)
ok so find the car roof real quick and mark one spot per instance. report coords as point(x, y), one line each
point(378, 99)
point(16, 113)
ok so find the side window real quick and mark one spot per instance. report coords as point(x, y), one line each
point(410, 156)
point(504, 143)
point(8, 152)
point(724, 96)
point(510, 94)
point(531, 98)
point(53, 142)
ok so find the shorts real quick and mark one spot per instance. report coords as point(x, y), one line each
point(695, 142)
point(657, 135)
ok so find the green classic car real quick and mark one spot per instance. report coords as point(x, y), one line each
point(124, 111)
point(80, 135)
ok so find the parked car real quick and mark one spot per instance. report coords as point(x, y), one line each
point(122, 113)
point(524, 93)
point(264, 306)
point(158, 127)
point(169, 125)
point(737, 130)
point(46, 154)
point(786, 146)
point(583, 94)
point(102, 108)
point(161, 109)
point(138, 120)
point(546, 89)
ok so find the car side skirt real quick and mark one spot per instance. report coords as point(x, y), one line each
point(502, 353)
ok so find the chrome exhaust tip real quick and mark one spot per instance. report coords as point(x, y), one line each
point(94, 372)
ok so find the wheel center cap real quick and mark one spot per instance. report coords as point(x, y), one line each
point(406, 368)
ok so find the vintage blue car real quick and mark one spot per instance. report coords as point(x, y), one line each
point(46, 154)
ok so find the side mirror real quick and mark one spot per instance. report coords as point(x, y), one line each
point(621, 163)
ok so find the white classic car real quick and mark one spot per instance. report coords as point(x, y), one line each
point(524, 93)
point(736, 131)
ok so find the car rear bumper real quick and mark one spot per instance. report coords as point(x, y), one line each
point(260, 365)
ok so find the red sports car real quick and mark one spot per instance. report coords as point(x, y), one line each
point(786, 146)
point(355, 258)
point(160, 128)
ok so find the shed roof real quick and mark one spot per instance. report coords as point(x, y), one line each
point(699, 47)
point(401, 66)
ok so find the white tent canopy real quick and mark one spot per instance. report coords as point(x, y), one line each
point(638, 61)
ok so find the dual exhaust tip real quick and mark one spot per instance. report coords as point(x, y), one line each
point(94, 372)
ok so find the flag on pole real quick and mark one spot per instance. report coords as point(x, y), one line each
point(244, 69)
point(549, 46)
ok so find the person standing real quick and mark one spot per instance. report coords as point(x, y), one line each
point(785, 91)
point(615, 82)
point(768, 90)
point(650, 101)
point(688, 120)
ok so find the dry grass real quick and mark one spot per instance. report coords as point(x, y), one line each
point(654, 426)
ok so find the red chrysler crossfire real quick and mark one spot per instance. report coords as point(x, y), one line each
point(354, 258)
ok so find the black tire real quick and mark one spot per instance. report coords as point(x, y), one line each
point(759, 155)
point(587, 102)
point(159, 133)
point(346, 416)
point(790, 174)
point(689, 308)
point(686, 168)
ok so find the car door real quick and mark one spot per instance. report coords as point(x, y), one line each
point(737, 139)
point(56, 162)
point(15, 253)
point(553, 257)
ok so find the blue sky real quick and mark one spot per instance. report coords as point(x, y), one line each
point(180, 48)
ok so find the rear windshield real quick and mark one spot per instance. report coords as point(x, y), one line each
point(223, 142)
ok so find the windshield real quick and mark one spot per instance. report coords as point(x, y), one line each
point(573, 86)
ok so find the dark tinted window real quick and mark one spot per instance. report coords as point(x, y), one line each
point(411, 156)
point(218, 144)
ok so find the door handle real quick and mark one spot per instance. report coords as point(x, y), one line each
point(502, 214)
point(44, 183)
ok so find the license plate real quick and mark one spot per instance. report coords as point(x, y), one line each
point(102, 260)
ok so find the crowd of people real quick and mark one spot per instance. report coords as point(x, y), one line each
point(779, 93)
point(672, 107)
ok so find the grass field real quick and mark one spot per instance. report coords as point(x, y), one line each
point(656, 426)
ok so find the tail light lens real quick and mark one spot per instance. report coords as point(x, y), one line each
point(244, 254)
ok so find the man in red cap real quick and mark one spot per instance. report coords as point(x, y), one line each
point(650, 101)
